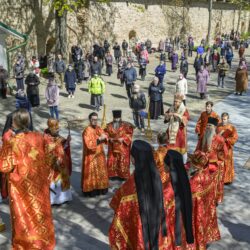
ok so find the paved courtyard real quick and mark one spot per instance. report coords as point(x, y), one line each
point(84, 222)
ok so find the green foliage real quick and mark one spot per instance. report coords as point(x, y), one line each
point(245, 36)
point(242, 4)
point(69, 5)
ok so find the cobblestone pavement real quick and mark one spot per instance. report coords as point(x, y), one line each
point(84, 223)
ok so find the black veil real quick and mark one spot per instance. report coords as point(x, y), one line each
point(150, 195)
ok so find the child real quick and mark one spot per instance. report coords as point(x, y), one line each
point(52, 97)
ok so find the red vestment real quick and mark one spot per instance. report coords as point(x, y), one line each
point(60, 159)
point(24, 160)
point(205, 225)
point(180, 144)
point(216, 156)
point(94, 168)
point(125, 231)
point(119, 153)
point(230, 135)
point(4, 187)
point(202, 124)
point(159, 156)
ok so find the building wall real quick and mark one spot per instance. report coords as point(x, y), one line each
point(3, 56)
point(114, 21)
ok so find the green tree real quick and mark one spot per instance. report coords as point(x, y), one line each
point(62, 7)
point(241, 6)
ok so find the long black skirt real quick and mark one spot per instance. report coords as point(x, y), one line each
point(156, 109)
point(34, 100)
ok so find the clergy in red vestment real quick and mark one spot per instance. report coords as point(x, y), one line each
point(177, 118)
point(203, 186)
point(94, 168)
point(24, 160)
point(120, 135)
point(229, 133)
point(202, 121)
point(214, 146)
point(58, 150)
point(159, 155)
point(139, 221)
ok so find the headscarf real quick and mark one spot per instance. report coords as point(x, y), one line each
point(150, 196)
point(183, 196)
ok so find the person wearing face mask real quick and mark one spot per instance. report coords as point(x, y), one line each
point(181, 87)
point(202, 79)
point(139, 205)
point(229, 133)
point(58, 150)
point(241, 78)
point(202, 121)
point(120, 135)
point(94, 167)
point(70, 81)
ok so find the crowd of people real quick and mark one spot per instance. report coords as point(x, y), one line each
point(170, 200)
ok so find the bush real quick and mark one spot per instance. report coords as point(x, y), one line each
point(245, 36)
point(44, 72)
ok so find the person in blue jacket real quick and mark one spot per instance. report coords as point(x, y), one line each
point(70, 81)
point(160, 71)
point(200, 50)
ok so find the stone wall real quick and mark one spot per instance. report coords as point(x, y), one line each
point(114, 21)
point(160, 21)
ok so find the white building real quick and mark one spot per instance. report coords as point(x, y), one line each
point(4, 32)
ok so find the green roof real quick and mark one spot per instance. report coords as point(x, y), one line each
point(11, 31)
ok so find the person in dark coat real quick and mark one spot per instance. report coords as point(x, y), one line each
point(70, 81)
point(184, 66)
point(124, 48)
point(109, 62)
point(106, 46)
point(155, 92)
point(95, 66)
point(190, 46)
point(117, 52)
point(79, 68)
point(76, 51)
point(198, 62)
point(32, 81)
point(22, 102)
point(3, 81)
point(229, 55)
point(138, 104)
point(122, 65)
point(174, 61)
point(129, 76)
point(160, 71)
point(19, 74)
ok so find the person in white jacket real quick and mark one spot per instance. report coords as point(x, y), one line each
point(181, 87)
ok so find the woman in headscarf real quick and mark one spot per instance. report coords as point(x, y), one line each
point(139, 221)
